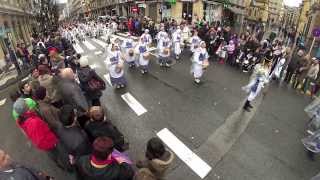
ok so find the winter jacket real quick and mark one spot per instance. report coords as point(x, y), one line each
point(71, 94)
point(114, 171)
point(158, 167)
point(48, 82)
point(75, 140)
point(85, 74)
point(50, 114)
point(38, 131)
point(96, 129)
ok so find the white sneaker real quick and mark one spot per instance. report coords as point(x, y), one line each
point(167, 65)
point(197, 81)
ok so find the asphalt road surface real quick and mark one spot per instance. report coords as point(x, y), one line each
point(207, 118)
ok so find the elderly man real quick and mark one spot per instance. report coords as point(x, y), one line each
point(71, 92)
point(10, 170)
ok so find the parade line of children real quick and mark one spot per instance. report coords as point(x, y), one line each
point(137, 54)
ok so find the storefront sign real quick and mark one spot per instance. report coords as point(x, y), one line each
point(142, 5)
point(134, 9)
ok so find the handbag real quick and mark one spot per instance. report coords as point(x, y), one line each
point(95, 84)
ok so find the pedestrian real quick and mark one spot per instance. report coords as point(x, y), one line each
point(312, 75)
point(90, 82)
point(231, 48)
point(115, 67)
point(128, 46)
point(48, 112)
point(302, 70)
point(164, 51)
point(99, 126)
point(160, 35)
point(25, 89)
point(14, 59)
point(103, 164)
point(39, 133)
point(71, 93)
point(177, 41)
point(158, 160)
point(293, 64)
point(199, 62)
point(50, 83)
point(256, 84)
point(71, 134)
point(10, 170)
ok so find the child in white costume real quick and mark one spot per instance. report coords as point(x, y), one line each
point(115, 67)
point(195, 41)
point(199, 62)
point(146, 37)
point(177, 41)
point(142, 50)
point(164, 51)
point(256, 84)
point(128, 48)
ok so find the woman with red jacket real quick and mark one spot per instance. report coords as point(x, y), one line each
point(39, 133)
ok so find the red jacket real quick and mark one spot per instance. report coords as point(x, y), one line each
point(38, 131)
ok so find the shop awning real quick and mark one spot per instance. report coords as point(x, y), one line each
point(237, 10)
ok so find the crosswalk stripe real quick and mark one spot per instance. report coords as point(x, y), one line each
point(105, 38)
point(200, 167)
point(98, 52)
point(126, 34)
point(89, 45)
point(107, 77)
point(133, 104)
point(101, 43)
point(3, 101)
point(78, 49)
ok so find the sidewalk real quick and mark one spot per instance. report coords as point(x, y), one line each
point(11, 77)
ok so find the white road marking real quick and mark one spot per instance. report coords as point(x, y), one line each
point(3, 101)
point(89, 45)
point(200, 167)
point(25, 79)
point(93, 66)
point(98, 52)
point(133, 103)
point(78, 49)
point(152, 49)
point(101, 43)
point(107, 77)
point(126, 34)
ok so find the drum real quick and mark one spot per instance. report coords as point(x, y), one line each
point(166, 51)
point(131, 52)
point(146, 55)
point(205, 64)
point(119, 67)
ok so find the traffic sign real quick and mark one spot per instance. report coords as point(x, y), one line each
point(316, 32)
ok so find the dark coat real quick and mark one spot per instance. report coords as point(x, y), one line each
point(17, 172)
point(85, 74)
point(73, 95)
point(96, 129)
point(113, 171)
point(75, 140)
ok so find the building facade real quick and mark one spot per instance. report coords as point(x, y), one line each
point(16, 22)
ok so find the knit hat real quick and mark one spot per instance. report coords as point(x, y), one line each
point(20, 106)
point(67, 115)
point(84, 61)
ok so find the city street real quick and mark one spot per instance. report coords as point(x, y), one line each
point(264, 144)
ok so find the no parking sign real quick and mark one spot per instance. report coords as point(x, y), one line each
point(316, 32)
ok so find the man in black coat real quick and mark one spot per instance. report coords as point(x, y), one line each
point(102, 164)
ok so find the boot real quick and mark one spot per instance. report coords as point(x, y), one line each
point(246, 106)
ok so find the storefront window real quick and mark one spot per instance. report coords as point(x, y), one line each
point(187, 11)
